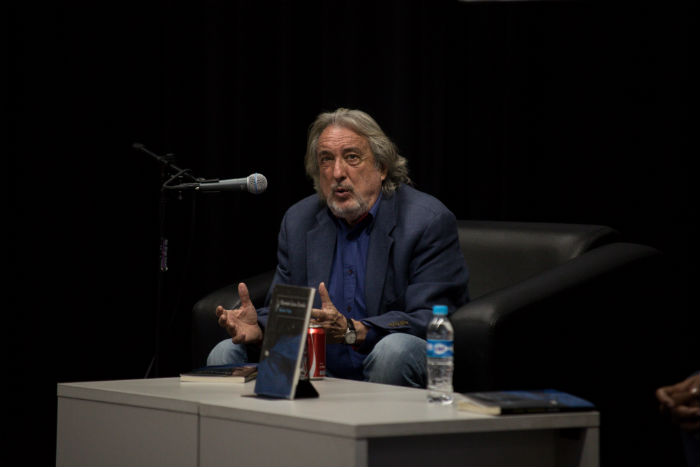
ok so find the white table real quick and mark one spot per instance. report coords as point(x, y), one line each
point(166, 422)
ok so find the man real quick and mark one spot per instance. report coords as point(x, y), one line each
point(380, 253)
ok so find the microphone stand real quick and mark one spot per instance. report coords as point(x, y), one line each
point(170, 173)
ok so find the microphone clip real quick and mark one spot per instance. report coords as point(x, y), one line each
point(177, 174)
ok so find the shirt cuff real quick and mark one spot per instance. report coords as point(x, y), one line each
point(370, 340)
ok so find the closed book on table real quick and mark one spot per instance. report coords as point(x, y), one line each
point(522, 402)
point(221, 374)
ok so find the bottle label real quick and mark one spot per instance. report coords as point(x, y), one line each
point(438, 348)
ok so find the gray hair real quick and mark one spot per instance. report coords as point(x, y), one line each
point(386, 154)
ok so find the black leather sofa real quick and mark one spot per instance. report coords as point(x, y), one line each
point(566, 306)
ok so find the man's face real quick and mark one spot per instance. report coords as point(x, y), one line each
point(349, 179)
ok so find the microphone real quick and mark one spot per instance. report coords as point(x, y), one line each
point(254, 183)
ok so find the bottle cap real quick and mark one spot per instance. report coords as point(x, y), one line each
point(440, 310)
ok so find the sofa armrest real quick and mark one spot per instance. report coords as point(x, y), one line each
point(553, 329)
point(205, 330)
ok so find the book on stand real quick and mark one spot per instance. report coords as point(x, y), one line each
point(221, 374)
point(521, 402)
point(284, 342)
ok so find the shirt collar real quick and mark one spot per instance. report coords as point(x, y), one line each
point(365, 221)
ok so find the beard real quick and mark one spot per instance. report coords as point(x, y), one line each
point(352, 209)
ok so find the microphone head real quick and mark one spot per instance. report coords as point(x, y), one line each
point(257, 183)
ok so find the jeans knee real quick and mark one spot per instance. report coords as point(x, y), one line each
point(227, 353)
point(397, 359)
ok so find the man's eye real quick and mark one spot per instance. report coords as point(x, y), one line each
point(352, 159)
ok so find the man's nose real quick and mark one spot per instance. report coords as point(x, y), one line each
point(339, 168)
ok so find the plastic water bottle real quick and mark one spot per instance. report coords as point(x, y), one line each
point(439, 356)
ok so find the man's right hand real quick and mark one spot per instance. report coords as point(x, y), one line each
point(241, 323)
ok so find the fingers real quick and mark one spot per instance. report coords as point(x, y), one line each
point(221, 316)
point(682, 393)
point(319, 314)
point(230, 322)
point(238, 339)
point(325, 297)
point(684, 398)
point(663, 397)
point(328, 311)
point(226, 319)
point(324, 315)
point(244, 295)
point(684, 411)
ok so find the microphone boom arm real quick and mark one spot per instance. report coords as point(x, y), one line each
point(167, 164)
point(255, 183)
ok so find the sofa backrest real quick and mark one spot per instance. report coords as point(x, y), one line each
point(499, 253)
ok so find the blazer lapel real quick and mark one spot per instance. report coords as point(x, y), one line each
point(380, 244)
point(320, 247)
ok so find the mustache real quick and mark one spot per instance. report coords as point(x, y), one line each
point(342, 186)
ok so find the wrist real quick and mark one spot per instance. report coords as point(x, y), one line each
point(361, 330)
point(350, 337)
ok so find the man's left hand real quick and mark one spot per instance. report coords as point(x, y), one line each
point(328, 316)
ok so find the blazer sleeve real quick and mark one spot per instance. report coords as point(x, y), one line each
point(436, 275)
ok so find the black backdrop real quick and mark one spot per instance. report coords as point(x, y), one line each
point(570, 111)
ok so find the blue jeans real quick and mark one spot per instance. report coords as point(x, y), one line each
point(397, 359)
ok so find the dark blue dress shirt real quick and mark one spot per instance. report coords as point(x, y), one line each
point(347, 291)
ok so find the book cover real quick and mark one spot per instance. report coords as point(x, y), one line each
point(522, 402)
point(284, 341)
point(221, 374)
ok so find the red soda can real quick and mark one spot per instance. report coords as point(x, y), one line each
point(316, 352)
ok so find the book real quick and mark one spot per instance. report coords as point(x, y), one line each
point(522, 402)
point(283, 345)
point(221, 374)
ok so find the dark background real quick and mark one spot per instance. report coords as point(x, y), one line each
point(553, 111)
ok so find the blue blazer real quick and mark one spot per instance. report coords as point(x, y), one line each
point(414, 259)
